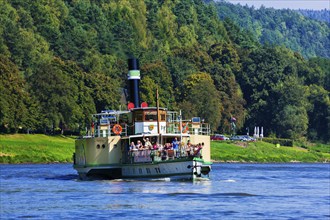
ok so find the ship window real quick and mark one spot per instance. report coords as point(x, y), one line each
point(151, 116)
point(148, 170)
point(98, 146)
point(138, 116)
point(103, 146)
point(140, 171)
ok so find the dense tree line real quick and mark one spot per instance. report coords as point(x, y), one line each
point(61, 61)
point(320, 15)
point(282, 27)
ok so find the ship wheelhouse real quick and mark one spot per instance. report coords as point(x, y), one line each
point(149, 120)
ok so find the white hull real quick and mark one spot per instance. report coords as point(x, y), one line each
point(171, 170)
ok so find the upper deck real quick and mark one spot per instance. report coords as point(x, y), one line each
point(147, 120)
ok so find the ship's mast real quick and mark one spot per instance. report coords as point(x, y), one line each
point(158, 120)
point(180, 126)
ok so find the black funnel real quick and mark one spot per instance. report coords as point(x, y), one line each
point(134, 81)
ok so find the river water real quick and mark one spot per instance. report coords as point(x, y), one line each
point(235, 191)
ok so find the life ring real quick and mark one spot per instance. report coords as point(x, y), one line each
point(184, 128)
point(117, 129)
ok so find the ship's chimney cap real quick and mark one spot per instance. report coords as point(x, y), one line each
point(133, 64)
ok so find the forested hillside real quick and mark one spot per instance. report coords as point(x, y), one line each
point(289, 28)
point(61, 61)
point(322, 15)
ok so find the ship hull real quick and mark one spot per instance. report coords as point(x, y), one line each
point(177, 169)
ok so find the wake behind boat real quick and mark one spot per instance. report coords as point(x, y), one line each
point(143, 142)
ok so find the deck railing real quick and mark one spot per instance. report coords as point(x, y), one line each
point(107, 130)
point(171, 128)
point(148, 156)
point(188, 127)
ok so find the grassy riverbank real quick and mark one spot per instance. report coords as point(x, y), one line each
point(263, 152)
point(37, 148)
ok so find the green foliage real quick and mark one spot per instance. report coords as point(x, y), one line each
point(276, 97)
point(319, 113)
point(201, 99)
point(291, 109)
point(320, 15)
point(104, 91)
point(225, 65)
point(17, 110)
point(156, 75)
point(64, 102)
point(63, 60)
point(280, 141)
point(323, 76)
point(280, 27)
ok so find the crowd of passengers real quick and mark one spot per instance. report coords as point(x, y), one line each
point(189, 149)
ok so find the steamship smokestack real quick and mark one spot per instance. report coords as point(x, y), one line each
point(134, 81)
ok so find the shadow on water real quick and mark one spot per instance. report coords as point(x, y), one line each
point(163, 179)
point(63, 177)
point(214, 195)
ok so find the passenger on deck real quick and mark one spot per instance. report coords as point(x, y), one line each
point(197, 149)
point(155, 146)
point(147, 143)
point(175, 144)
point(167, 146)
point(188, 148)
point(132, 147)
point(139, 145)
point(200, 151)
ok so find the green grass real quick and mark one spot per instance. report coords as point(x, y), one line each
point(37, 148)
point(266, 152)
point(23, 148)
point(323, 148)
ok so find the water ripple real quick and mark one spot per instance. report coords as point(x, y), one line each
point(239, 194)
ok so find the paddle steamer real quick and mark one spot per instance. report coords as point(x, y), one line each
point(143, 142)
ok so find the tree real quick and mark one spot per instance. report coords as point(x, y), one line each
point(319, 113)
point(104, 90)
point(262, 70)
point(291, 122)
point(14, 99)
point(321, 66)
point(180, 68)
point(148, 90)
point(60, 96)
point(201, 99)
point(225, 65)
point(277, 27)
point(157, 75)
point(290, 118)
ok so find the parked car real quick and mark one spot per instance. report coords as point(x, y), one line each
point(219, 137)
point(248, 138)
point(242, 138)
point(237, 138)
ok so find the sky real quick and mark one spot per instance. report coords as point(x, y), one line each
point(283, 4)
